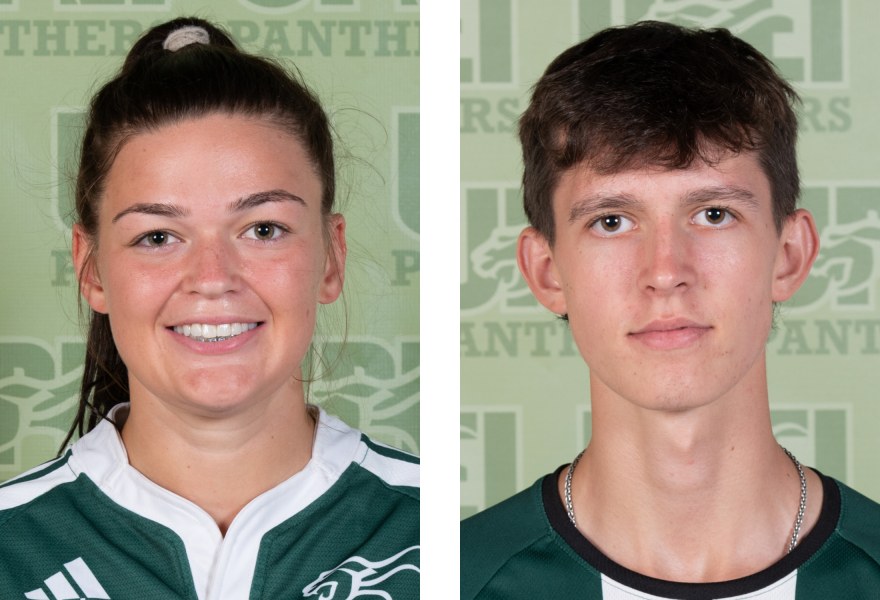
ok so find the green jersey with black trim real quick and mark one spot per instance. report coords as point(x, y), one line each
point(89, 526)
point(527, 548)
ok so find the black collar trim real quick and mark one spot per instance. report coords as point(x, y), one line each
point(805, 549)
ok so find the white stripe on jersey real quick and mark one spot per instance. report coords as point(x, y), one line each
point(85, 579)
point(391, 470)
point(61, 588)
point(17, 492)
point(784, 589)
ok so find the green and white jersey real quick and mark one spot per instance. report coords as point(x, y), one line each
point(89, 526)
point(527, 548)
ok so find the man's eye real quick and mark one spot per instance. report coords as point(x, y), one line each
point(611, 225)
point(713, 217)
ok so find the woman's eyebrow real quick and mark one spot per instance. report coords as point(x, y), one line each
point(172, 210)
point(259, 198)
point(153, 208)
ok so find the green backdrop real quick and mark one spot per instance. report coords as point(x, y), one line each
point(361, 56)
point(524, 388)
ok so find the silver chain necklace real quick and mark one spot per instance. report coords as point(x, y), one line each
point(799, 519)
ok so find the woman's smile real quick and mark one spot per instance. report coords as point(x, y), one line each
point(205, 332)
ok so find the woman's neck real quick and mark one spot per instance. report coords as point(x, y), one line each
point(219, 462)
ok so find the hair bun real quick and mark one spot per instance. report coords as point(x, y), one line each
point(184, 36)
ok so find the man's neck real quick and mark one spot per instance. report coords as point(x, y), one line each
point(699, 495)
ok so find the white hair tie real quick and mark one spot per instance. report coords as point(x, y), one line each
point(191, 34)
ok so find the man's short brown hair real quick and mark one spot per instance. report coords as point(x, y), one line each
point(662, 95)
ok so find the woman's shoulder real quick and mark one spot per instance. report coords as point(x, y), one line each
point(342, 446)
point(395, 468)
point(36, 482)
point(69, 481)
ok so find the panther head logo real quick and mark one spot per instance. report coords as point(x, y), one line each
point(357, 577)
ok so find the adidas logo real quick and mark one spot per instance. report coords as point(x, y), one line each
point(61, 588)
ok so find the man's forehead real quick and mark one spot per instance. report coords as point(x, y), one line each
point(612, 160)
point(720, 165)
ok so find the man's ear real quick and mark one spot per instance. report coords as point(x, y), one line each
point(86, 272)
point(537, 265)
point(798, 247)
point(334, 265)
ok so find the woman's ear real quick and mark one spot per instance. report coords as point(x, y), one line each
point(537, 265)
point(798, 248)
point(334, 265)
point(86, 272)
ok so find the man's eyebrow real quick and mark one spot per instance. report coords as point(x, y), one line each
point(604, 203)
point(259, 198)
point(153, 208)
point(601, 203)
point(721, 193)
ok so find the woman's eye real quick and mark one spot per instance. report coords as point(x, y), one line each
point(611, 225)
point(154, 239)
point(264, 232)
point(713, 217)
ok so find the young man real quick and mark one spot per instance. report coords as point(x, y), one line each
point(661, 185)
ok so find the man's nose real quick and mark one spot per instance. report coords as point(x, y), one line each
point(667, 259)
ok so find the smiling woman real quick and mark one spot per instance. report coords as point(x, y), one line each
point(205, 241)
point(232, 234)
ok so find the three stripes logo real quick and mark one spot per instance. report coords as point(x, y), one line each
point(80, 585)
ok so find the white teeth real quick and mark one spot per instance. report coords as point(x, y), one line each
point(203, 332)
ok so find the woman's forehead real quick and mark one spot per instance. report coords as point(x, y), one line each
point(226, 157)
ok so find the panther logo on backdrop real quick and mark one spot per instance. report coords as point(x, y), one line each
point(847, 269)
point(39, 390)
point(493, 218)
point(374, 387)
